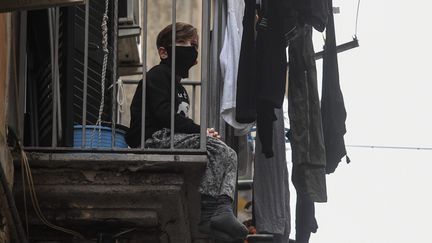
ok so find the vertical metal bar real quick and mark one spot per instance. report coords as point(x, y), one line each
point(173, 62)
point(55, 76)
point(193, 101)
point(52, 17)
point(22, 76)
point(214, 104)
point(114, 73)
point(85, 75)
point(57, 80)
point(222, 23)
point(51, 33)
point(144, 69)
point(204, 70)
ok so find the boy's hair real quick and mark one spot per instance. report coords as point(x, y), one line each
point(183, 32)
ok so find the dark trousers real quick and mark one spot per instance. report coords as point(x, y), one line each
point(332, 102)
point(305, 219)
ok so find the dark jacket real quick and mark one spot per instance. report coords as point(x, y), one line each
point(158, 106)
point(262, 66)
point(307, 141)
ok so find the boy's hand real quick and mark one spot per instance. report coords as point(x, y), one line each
point(211, 132)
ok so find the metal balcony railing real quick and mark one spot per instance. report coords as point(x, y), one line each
point(209, 61)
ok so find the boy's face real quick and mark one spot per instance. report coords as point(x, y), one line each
point(163, 54)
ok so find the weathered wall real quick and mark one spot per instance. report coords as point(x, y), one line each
point(5, 157)
point(159, 16)
point(152, 193)
point(5, 66)
point(3, 57)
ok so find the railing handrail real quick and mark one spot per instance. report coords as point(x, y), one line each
point(184, 82)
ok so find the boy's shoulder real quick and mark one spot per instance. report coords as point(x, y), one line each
point(159, 75)
point(159, 71)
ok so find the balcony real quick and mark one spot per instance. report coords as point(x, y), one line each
point(103, 192)
point(99, 193)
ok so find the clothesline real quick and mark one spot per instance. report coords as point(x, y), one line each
point(388, 147)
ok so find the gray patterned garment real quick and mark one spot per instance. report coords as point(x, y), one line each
point(220, 175)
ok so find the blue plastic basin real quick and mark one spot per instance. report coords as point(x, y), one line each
point(95, 142)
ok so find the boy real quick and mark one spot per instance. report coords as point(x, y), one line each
point(218, 183)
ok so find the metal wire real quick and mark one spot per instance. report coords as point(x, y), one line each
point(27, 174)
point(388, 147)
point(356, 23)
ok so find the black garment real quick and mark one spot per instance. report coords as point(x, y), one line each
point(313, 12)
point(307, 142)
point(332, 102)
point(265, 120)
point(305, 219)
point(297, 13)
point(262, 66)
point(262, 70)
point(158, 106)
point(246, 77)
point(271, 57)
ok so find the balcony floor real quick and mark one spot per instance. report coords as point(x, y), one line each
point(96, 193)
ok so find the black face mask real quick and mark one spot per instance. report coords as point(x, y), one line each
point(186, 57)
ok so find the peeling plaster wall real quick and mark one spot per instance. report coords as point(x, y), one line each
point(87, 192)
point(5, 156)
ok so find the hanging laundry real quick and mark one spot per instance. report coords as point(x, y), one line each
point(313, 12)
point(271, 182)
point(297, 13)
point(307, 142)
point(271, 54)
point(262, 64)
point(246, 78)
point(272, 69)
point(262, 69)
point(306, 135)
point(229, 59)
point(332, 102)
point(305, 219)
